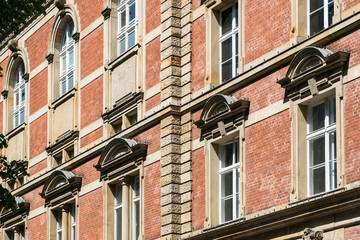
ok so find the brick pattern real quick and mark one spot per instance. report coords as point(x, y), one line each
point(151, 137)
point(91, 212)
point(38, 91)
point(38, 167)
point(268, 163)
point(35, 199)
point(199, 54)
point(152, 197)
point(346, 4)
point(196, 132)
point(263, 92)
point(152, 63)
point(91, 102)
point(37, 226)
point(38, 136)
point(198, 208)
point(352, 131)
point(152, 15)
point(89, 11)
point(3, 65)
point(92, 52)
point(266, 30)
point(153, 102)
point(91, 137)
point(352, 233)
point(87, 171)
point(37, 44)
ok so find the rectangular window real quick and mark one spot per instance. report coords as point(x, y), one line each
point(65, 229)
point(59, 225)
point(229, 181)
point(118, 211)
point(19, 97)
point(320, 14)
point(16, 233)
point(321, 145)
point(229, 35)
point(127, 25)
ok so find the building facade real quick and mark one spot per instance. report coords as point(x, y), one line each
point(177, 119)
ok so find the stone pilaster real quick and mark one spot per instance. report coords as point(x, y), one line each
point(176, 172)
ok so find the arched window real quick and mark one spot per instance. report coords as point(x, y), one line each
point(67, 59)
point(19, 96)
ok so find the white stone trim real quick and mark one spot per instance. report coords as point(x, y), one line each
point(152, 35)
point(92, 76)
point(38, 113)
point(196, 144)
point(92, 27)
point(36, 212)
point(38, 69)
point(91, 127)
point(266, 112)
point(42, 156)
point(149, 93)
point(152, 158)
point(153, 110)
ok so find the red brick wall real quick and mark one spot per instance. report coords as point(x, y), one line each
point(268, 163)
point(38, 91)
point(196, 132)
point(38, 136)
point(198, 206)
point(91, 102)
point(196, 4)
point(37, 45)
point(38, 167)
point(348, 43)
point(151, 137)
point(153, 63)
point(346, 4)
point(152, 204)
point(352, 131)
point(263, 92)
point(3, 65)
point(87, 171)
point(153, 15)
point(91, 215)
point(35, 199)
point(153, 102)
point(198, 53)
point(37, 227)
point(352, 233)
point(266, 29)
point(92, 52)
point(89, 11)
point(91, 137)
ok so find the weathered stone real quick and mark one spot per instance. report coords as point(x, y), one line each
point(170, 158)
point(170, 199)
point(170, 120)
point(171, 41)
point(186, 197)
point(186, 137)
point(172, 31)
point(186, 217)
point(170, 179)
point(171, 129)
point(171, 208)
point(171, 22)
point(186, 127)
point(186, 178)
point(171, 61)
point(171, 51)
point(169, 230)
point(170, 189)
point(171, 218)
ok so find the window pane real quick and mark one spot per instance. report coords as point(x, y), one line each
point(226, 20)
point(226, 184)
point(332, 175)
point(332, 111)
point(123, 19)
point(63, 64)
point(317, 151)
point(131, 39)
point(332, 145)
point(71, 58)
point(136, 220)
point(132, 12)
point(318, 117)
point(227, 155)
point(70, 82)
point(16, 120)
point(122, 45)
point(317, 21)
point(118, 223)
point(330, 13)
point(118, 194)
point(236, 151)
point(226, 49)
point(317, 180)
point(236, 9)
point(16, 99)
point(22, 116)
point(136, 188)
point(63, 87)
point(226, 210)
point(23, 94)
point(226, 69)
point(316, 4)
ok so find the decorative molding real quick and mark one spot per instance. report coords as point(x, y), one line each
point(313, 69)
point(13, 45)
point(59, 186)
point(4, 93)
point(106, 13)
point(9, 217)
point(62, 141)
point(50, 58)
point(60, 4)
point(120, 155)
point(76, 37)
point(309, 234)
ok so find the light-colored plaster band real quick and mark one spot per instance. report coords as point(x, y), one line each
point(152, 91)
point(38, 159)
point(38, 113)
point(152, 35)
point(90, 187)
point(91, 77)
point(91, 127)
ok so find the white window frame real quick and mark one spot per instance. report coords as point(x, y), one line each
point(66, 49)
point(19, 104)
point(326, 131)
point(235, 169)
point(231, 34)
point(129, 26)
point(59, 226)
point(73, 222)
point(326, 14)
point(17, 232)
point(117, 206)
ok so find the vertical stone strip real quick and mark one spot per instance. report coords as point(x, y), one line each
point(175, 75)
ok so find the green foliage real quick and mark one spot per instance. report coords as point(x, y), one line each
point(9, 172)
point(14, 13)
